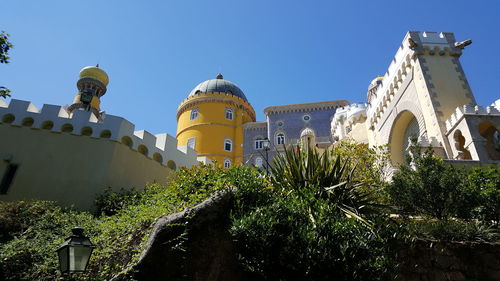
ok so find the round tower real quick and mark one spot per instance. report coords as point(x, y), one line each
point(91, 86)
point(210, 120)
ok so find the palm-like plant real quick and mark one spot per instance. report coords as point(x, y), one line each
point(328, 175)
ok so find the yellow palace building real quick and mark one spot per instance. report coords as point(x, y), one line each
point(210, 120)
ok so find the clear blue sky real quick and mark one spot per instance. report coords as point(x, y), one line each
point(278, 52)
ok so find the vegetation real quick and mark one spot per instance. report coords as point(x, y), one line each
point(446, 203)
point(317, 216)
point(310, 223)
point(5, 47)
point(31, 231)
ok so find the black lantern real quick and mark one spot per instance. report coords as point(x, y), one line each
point(74, 254)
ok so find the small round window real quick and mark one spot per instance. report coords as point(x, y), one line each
point(306, 117)
point(279, 123)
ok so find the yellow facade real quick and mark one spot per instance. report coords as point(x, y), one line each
point(210, 128)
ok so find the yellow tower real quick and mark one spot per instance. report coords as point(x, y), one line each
point(91, 87)
point(211, 119)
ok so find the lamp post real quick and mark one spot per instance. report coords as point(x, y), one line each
point(266, 144)
point(74, 254)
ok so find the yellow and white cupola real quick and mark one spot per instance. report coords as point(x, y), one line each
point(211, 119)
point(91, 86)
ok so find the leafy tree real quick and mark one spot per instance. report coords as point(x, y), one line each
point(5, 46)
point(483, 193)
point(428, 186)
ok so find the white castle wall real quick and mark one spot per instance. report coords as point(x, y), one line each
point(345, 118)
point(162, 147)
point(469, 109)
point(401, 65)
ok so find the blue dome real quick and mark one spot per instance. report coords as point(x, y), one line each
point(218, 85)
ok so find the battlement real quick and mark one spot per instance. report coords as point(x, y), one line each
point(255, 126)
point(471, 110)
point(162, 147)
point(414, 43)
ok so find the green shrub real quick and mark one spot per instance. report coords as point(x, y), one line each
point(484, 190)
point(308, 223)
point(431, 187)
point(32, 231)
point(451, 230)
point(16, 217)
point(30, 254)
point(108, 203)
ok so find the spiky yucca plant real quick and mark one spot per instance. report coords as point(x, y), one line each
point(328, 174)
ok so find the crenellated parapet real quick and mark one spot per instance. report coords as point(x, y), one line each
point(305, 107)
point(414, 44)
point(255, 126)
point(470, 110)
point(161, 147)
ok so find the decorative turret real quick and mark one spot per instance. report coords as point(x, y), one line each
point(91, 87)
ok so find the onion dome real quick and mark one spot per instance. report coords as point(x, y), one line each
point(96, 73)
point(218, 85)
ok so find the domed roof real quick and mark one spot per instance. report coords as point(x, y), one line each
point(376, 81)
point(96, 73)
point(307, 132)
point(218, 85)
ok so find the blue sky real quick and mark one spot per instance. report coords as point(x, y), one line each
point(278, 52)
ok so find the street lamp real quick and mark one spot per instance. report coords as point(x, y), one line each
point(74, 254)
point(266, 144)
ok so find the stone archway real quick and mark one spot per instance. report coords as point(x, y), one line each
point(404, 127)
point(492, 136)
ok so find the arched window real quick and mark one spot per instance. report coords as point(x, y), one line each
point(191, 142)
point(227, 163)
point(280, 139)
point(229, 114)
point(258, 162)
point(228, 145)
point(194, 114)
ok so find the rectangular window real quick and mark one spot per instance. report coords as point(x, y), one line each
point(8, 176)
point(259, 144)
point(229, 114)
point(194, 114)
point(191, 142)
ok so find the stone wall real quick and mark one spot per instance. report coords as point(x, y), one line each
point(448, 261)
point(195, 244)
